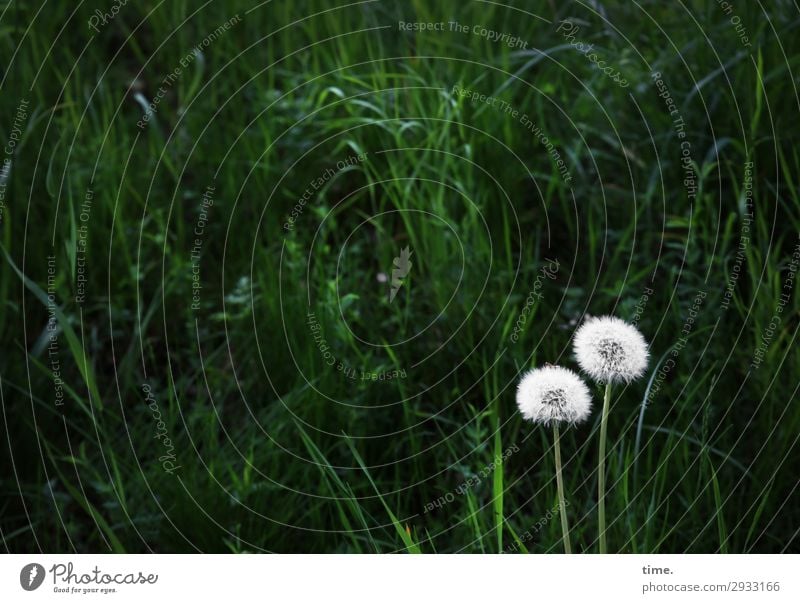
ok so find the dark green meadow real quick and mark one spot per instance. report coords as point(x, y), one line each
point(201, 208)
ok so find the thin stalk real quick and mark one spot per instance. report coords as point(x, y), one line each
point(560, 485)
point(601, 471)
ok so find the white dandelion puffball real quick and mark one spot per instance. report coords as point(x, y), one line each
point(611, 350)
point(552, 393)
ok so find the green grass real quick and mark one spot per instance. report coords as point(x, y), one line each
point(277, 451)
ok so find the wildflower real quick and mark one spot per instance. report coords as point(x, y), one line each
point(553, 394)
point(549, 396)
point(610, 350)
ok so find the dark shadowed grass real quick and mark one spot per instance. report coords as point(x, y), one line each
point(277, 450)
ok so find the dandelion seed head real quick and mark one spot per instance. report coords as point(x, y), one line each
point(611, 350)
point(553, 394)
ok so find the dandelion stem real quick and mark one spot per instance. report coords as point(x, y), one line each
point(601, 471)
point(560, 485)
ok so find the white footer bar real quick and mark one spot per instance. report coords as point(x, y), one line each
point(400, 578)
